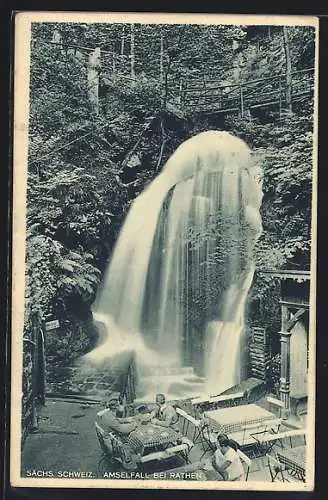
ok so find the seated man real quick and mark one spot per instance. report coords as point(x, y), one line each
point(109, 421)
point(164, 413)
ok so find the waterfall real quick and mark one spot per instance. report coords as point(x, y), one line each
point(176, 286)
point(224, 370)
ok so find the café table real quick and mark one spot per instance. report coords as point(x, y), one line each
point(234, 419)
point(152, 437)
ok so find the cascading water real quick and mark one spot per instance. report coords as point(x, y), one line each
point(176, 287)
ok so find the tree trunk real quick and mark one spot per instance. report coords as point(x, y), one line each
point(132, 53)
point(161, 59)
point(93, 79)
point(114, 63)
point(160, 156)
point(165, 86)
point(122, 40)
point(288, 69)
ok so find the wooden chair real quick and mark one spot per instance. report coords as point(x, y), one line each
point(246, 460)
point(267, 440)
point(276, 403)
point(188, 420)
point(275, 468)
point(104, 440)
point(245, 438)
point(201, 431)
point(278, 471)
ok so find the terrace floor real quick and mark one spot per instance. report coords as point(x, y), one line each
point(66, 441)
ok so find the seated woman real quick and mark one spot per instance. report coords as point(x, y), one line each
point(227, 460)
point(224, 464)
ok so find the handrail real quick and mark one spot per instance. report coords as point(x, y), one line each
point(247, 83)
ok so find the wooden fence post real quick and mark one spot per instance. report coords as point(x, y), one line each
point(241, 101)
point(280, 97)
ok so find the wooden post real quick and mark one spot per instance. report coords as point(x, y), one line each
point(285, 363)
point(241, 101)
point(57, 39)
point(132, 52)
point(93, 79)
point(288, 70)
point(114, 63)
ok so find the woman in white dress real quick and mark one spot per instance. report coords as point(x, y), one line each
point(227, 461)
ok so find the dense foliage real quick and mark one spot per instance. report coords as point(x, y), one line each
point(86, 167)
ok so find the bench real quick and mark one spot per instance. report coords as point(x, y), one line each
point(217, 399)
point(163, 455)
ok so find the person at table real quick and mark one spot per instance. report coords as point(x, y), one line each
point(109, 421)
point(210, 465)
point(164, 414)
point(227, 461)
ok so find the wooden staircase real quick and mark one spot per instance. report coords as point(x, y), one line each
point(259, 355)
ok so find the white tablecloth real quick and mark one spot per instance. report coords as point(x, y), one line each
point(235, 418)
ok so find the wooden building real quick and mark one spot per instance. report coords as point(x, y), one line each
point(294, 339)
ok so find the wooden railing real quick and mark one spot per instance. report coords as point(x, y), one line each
point(209, 96)
point(204, 96)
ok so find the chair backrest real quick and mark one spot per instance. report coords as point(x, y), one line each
point(277, 403)
point(102, 412)
point(244, 458)
point(273, 461)
point(285, 434)
point(99, 429)
point(188, 417)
